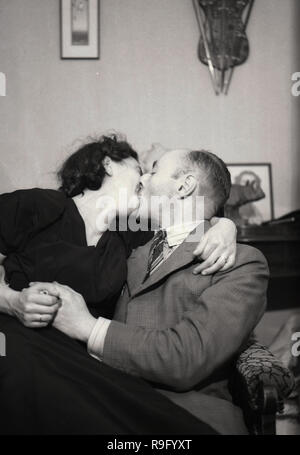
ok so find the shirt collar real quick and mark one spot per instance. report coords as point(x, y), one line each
point(178, 233)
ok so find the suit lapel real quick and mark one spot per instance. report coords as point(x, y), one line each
point(137, 266)
point(182, 256)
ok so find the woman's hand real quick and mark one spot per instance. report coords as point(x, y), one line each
point(73, 317)
point(217, 247)
point(32, 308)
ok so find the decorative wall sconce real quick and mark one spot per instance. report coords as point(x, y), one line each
point(223, 42)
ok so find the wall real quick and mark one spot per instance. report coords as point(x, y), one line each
point(148, 84)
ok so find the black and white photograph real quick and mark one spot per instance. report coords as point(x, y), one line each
point(150, 221)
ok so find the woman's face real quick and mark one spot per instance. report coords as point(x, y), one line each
point(126, 177)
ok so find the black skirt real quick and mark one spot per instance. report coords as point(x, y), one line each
point(50, 385)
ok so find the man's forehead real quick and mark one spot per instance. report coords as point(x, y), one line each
point(172, 156)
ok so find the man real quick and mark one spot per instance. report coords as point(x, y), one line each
point(180, 332)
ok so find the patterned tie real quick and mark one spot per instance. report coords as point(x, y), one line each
point(156, 253)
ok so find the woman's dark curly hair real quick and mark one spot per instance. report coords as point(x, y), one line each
point(84, 169)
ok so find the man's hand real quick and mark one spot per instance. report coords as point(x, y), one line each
point(34, 309)
point(73, 317)
point(217, 247)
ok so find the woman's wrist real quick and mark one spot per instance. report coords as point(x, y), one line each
point(8, 300)
point(214, 220)
point(225, 223)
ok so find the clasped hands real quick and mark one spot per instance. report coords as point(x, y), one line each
point(52, 303)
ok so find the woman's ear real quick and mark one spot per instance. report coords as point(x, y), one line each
point(187, 184)
point(108, 166)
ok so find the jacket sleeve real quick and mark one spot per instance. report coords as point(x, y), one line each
point(182, 356)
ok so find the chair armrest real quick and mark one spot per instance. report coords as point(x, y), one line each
point(259, 384)
point(262, 420)
point(257, 367)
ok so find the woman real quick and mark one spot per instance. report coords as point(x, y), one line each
point(48, 383)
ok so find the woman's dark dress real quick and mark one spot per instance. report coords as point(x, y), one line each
point(48, 382)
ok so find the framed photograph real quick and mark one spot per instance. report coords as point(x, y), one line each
point(253, 182)
point(80, 29)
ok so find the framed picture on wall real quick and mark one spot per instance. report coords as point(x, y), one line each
point(80, 29)
point(252, 182)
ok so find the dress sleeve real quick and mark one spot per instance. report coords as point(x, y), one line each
point(97, 273)
point(23, 213)
point(16, 220)
point(136, 239)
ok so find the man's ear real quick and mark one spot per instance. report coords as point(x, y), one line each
point(108, 166)
point(187, 184)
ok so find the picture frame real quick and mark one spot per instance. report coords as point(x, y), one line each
point(80, 29)
point(262, 210)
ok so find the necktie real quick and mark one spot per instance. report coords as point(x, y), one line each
point(156, 253)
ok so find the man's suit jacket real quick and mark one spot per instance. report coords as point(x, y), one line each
point(182, 331)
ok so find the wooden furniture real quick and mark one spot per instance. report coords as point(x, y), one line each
point(281, 246)
point(261, 421)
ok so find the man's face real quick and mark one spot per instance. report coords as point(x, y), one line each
point(150, 156)
point(161, 181)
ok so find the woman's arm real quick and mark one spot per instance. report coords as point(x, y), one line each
point(8, 299)
point(217, 248)
point(216, 251)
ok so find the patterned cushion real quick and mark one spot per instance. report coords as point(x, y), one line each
point(258, 365)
